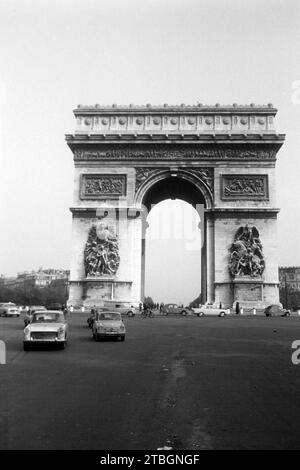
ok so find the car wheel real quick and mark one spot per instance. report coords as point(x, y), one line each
point(222, 314)
point(97, 337)
point(130, 314)
point(183, 312)
point(122, 338)
point(200, 314)
point(62, 345)
point(26, 346)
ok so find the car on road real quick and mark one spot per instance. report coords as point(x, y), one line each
point(9, 309)
point(31, 311)
point(108, 325)
point(175, 309)
point(210, 310)
point(46, 327)
point(276, 310)
point(125, 308)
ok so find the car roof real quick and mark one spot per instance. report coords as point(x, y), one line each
point(110, 311)
point(48, 311)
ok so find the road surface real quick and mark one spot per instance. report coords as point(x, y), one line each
point(183, 382)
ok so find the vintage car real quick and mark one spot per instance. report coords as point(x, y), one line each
point(108, 325)
point(9, 309)
point(276, 310)
point(208, 310)
point(125, 308)
point(175, 309)
point(31, 311)
point(46, 327)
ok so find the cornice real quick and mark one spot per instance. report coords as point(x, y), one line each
point(176, 138)
point(182, 108)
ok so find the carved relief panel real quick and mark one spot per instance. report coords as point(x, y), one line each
point(96, 186)
point(244, 187)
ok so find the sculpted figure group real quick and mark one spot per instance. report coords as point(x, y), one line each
point(246, 256)
point(101, 254)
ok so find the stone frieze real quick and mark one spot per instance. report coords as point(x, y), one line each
point(244, 187)
point(199, 153)
point(102, 186)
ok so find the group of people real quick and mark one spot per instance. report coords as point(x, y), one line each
point(143, 306)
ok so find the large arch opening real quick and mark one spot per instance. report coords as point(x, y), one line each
point(174, 242)
point(173, 252)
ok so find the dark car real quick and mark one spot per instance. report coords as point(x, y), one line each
point(276, 311)
point(176, 309)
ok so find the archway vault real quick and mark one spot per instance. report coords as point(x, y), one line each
point(194, 186)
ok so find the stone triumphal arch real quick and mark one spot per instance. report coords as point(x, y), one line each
point(221, 158)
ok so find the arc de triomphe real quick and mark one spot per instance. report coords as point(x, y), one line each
point(221, 158)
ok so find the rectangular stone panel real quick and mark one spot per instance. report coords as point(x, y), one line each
point(244, 187)
point(248, 292)
point(102, 186)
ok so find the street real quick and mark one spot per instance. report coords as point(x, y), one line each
point(183, 382)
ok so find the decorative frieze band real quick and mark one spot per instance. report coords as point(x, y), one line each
point(102, 186)
point(165, 153)
point(244, 187)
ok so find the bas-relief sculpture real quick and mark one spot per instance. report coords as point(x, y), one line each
point(245, 187)
point(176, 154)
point(101, 254)
point(246, 255)
point(101, 186)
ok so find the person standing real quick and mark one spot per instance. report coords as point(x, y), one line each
point(237, 308)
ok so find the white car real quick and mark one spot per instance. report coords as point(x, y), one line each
point(108, 325)
point(46, 327)
point(9, 310)
point(208, 310)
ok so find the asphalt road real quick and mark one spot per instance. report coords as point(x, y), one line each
point(184, 382)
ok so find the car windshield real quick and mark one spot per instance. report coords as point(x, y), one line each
point(48, 318)
point(109, 316)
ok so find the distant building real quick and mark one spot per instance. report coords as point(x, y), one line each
point(289, 277)
point(40, 278)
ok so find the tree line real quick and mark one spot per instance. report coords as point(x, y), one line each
point(56, 292)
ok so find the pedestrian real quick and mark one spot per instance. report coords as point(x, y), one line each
point(220, 305)
point(237, 308)
point(140, 306)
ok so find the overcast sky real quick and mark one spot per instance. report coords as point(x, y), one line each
point(57, 54)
